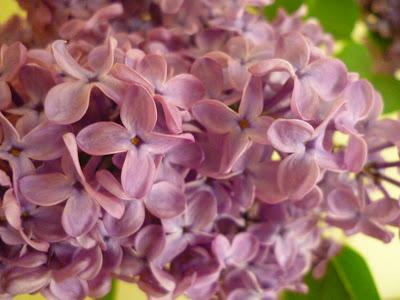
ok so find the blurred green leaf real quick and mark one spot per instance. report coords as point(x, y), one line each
point(347, 278)
point(357, 58)
point(112, 294)
point(289, 5)
point(389, 87)
point(336, 16)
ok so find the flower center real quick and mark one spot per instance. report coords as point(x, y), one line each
point(14, 151)
point(136, 141)
point(243, 123)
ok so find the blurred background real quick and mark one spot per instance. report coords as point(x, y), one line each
point(383, 259)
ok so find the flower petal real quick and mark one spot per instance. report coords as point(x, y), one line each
point(244, 248)
point(201, 210)
point(154, 68)
point(328, 77)
point(129, 223)
point(343, 203)
point(5, 95)
point(294, 48)
point(356, 154)
point(183, 90)
point(24, 281)
point(215, 116)
point(67, 102)
point(297, 175)
point(103, 138)
point(165, 200)
point(171, 6)
point(46, 189)
point(67, 63)
point(289, 136)
point(252, 102)
point(138, 173)
point(150, 241)
point(13, 57)
point(138, 111)
point(80, 214)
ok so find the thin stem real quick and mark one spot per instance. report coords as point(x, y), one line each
point(385, 165)
point(380, 147)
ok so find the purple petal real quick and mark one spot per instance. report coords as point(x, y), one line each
point(150, 241)
point(129, 223)
point(138, 162)
point(67, 102)
point(376, 231)
point(24, 281)
point(356, 153)
point(183, 90)
point(5, 95)
point(289, 136)
point(244, 248)
point(80, 214)
point(171, 6)
point(159, 143)
point(201, 210)
point(138, 111)
point(294, 48)
point(46, 224)
point(234, 146)
point(343, 203)
point(67, 63)
point(154, 68)
point(165, 200)
point(252, 102)
point(72, 288)
point(215, 116)
point(101, 58)
point(359, 98)
point(13, 57)
point(328, 77)
point(297, 175)
point(12, 209)
point(104, 138)
point(46, 189)
point(211, 75)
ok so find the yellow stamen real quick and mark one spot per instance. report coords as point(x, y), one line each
point(136, 141)
point(243, 123)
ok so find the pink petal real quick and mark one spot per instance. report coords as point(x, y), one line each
point(80, 214)
point(23, 281)
point(172, 115)
point(215, 116)
point(101, 59)
point(294, 48)
point(67, 63)
point(343, 203)
point(154, 68)
point(297, 175)
point(171, 6)
point(13, 57)
point(211, 75)
point(37, 81)
point(12, 209)
point(159, 143)
point(221, 248)
point(259, 129)
point(356, 154)
point(183, 90)
point(46, 189)
point(201, 210)
point(359, 98)
point(289, 136)
point(46, 224)
point(165, 200)
point(112, 205)
point(377, 231)
point(71, 288)
point(138, 162)
point(305, 101)
point(268, 66)
point(5, 95)
point(107, 180)
point(138, 111)
point(104, 138)
point(44, 142)
point(244, 248)
point(129, 223)
point(252, 102)
point(234, 146)
point(67, 102)
point(74, 166)
point(328, 77)
point(150, 241)
point(385, 210)
point(129, 75)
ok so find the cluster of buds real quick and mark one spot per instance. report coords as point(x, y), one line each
point(189, 147)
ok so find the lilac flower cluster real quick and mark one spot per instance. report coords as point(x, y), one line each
point(189, 147)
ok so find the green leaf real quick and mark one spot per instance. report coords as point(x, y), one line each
point(289, 5)
point(389, 87)
point(336, 16)
point(357, 58)
point(347, 278)
point(112, 295)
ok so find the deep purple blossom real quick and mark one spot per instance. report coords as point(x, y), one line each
point(206, 161)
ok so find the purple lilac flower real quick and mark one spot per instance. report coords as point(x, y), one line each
point(205, 161)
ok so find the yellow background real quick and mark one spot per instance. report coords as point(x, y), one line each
point(383, 259)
